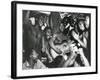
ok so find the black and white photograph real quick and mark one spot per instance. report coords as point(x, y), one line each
point(56, 39)
point(53, 39)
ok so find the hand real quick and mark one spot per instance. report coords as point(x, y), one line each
point(75, 35)
point(74, 49)
point(81, 51)
point(58, 51)
point(71, 46)
point(50, 59)
point(43, 49)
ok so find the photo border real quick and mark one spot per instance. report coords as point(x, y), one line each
point(14, 38)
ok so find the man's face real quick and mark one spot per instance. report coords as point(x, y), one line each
point(61, 28)
point(62, 15)
point(65, 47)
point(48, 33)
point(34, 55)
point(81, 26)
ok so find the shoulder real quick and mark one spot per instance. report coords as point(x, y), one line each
point(85, 34)
point(40, 65)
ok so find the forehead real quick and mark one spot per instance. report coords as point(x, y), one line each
point(87, 16)
point(81, 21)
point(48, 30)
point(65, 44)
point(34, 52)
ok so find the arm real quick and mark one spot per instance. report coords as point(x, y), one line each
point(44, 49)
point(76, 64)
point(43, 45)
point(72, 57)
point(70, 60)
point(26, 17)
point(83, 58)
point(83, 43)
point(49, 56)
point(54, 47)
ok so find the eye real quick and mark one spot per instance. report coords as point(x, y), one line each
point(64, 45)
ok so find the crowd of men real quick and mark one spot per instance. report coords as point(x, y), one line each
point(55, 40)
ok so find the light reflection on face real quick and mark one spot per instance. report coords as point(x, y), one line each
point(34, 55)
point(87, 21)
point(32, 19)
point(48, 33)
point(65, 47)
point(81, 25)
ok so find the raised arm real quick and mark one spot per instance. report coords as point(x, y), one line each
point(83, 58)
point(72, 56)
point(70, 60)
point(44, 49)
point(83, 42)
point(54, 47)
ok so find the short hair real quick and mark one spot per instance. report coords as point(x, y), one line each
point(78, 28)
point(47, 28)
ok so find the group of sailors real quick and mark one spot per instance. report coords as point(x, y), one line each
point(68, 46)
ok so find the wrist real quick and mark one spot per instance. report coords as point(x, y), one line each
point(82, 55)
point(78, 39)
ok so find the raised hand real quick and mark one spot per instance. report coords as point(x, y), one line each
point(75, 35)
